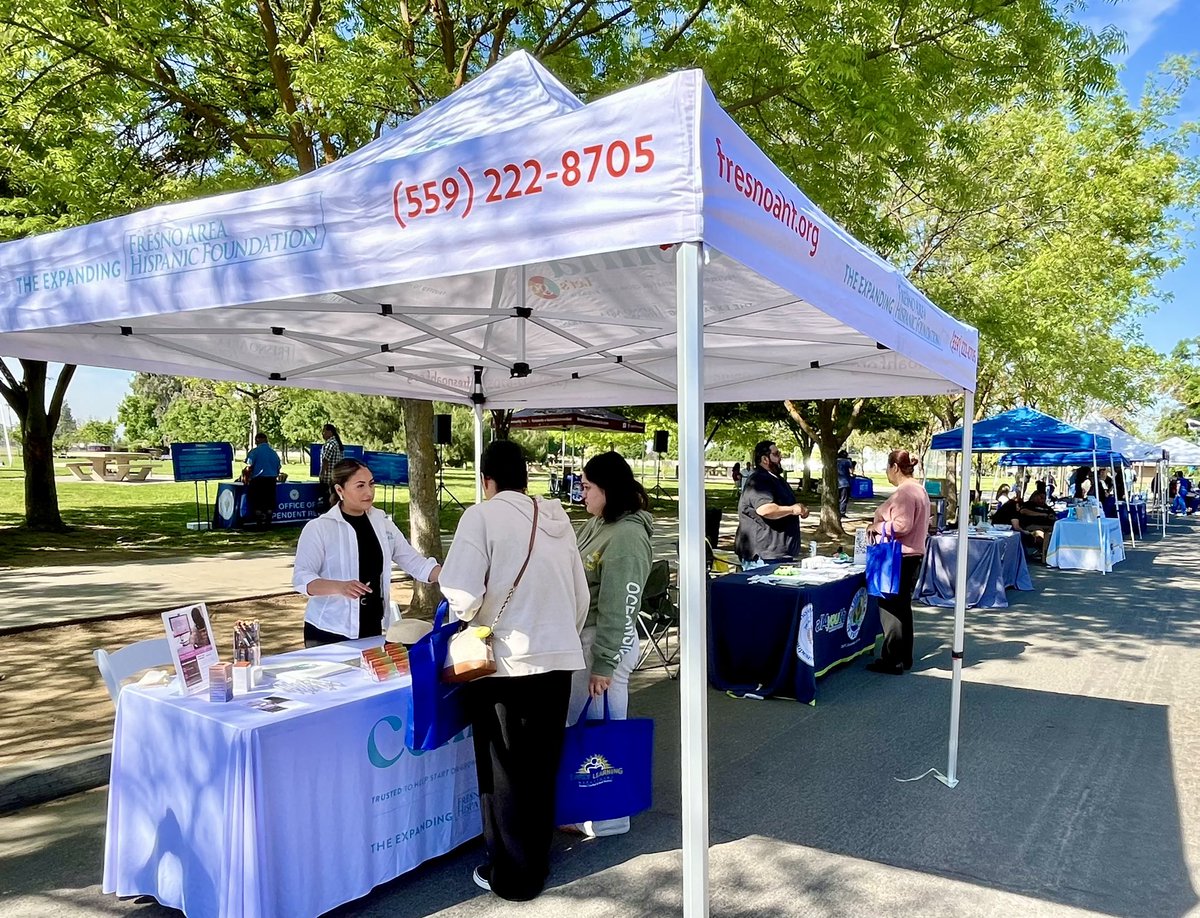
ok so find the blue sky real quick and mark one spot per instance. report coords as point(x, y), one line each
point(1155, 29)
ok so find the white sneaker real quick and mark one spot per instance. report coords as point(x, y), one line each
point(605, 827)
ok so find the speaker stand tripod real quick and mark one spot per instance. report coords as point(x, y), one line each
point(441, 486)
point(657, 491)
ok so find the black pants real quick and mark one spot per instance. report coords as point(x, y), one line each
point(518, 722)
point(261, 495)
point(843, 500)
point(896, 616)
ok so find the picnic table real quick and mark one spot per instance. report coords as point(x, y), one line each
point(110, 466)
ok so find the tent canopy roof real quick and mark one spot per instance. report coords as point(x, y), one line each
point(1182, 452)
point(510, 242)
point(1042, 459)
point(1022, 429)
point(1127, 444)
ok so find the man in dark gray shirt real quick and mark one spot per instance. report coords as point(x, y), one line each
point(768, 515)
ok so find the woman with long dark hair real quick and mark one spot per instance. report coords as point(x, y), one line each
point(616, 551)
point(906, 514)
point(344, 561)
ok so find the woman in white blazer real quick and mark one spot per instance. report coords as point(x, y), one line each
point(344, 561)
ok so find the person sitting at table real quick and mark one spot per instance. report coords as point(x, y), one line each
point(344, 561)
point(906, 514)
point(263, 465)
point(1007, 512)
point(1034, 521)
point(1003, 495)
point(768, 514)
point(519, 714)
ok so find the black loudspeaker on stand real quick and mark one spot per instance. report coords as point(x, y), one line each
point(442, 437)
point(660, 447)
point(441, 430)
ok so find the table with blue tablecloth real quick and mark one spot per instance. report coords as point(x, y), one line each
point(295, 504)
point(223, 809)
point(774, 639)
point(1086, 546)
point(995, 562)
point(1140, 518)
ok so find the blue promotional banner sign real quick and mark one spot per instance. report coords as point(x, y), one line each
point(349, 451)
point(201, 461)
point(388, 468)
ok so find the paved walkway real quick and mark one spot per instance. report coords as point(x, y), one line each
point(1079, 794)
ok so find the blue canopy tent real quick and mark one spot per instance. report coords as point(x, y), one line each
point(1024, 429)
point(1029, 430)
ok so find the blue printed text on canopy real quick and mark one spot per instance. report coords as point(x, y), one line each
point(1023, 429)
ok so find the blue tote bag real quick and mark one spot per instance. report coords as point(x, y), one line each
point(883, 564)
point(607, 768)
point(436, 712)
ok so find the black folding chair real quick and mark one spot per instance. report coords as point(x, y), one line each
point(657, 619)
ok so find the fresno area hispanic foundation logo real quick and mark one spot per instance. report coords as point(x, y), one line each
point(543, 287)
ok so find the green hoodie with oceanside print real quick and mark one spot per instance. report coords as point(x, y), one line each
point(616, 561)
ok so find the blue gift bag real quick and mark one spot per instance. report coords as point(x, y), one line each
point(607, 768)
point(436, 712)
point(883, 564)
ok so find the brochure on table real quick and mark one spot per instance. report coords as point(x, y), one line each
point(193, 649)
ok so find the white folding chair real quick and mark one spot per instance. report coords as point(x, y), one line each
point(121, 664)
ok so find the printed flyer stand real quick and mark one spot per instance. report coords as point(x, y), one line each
point(189, 632)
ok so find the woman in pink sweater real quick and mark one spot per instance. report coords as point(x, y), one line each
point(907, 514)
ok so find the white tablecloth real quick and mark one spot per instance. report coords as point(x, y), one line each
point(219, 809)
point(1074, 544)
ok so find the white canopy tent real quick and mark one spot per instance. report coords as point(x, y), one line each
point(1181, 451)
point(513, 248)
point(1136, 451)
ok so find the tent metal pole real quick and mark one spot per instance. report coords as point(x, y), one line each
point(1112, 470)
point(960, 586)
point(1100, 515)
point(478, 453)
point(693, 680)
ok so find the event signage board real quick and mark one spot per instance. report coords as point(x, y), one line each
point(201, 461)
point(388, 468)
point(295, 504)
point(349, 451)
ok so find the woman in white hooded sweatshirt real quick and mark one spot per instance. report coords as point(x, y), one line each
point(518, 715)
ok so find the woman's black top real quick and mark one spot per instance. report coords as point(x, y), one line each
point(370, 572)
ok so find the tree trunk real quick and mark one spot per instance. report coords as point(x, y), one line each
point(38, 423)
point(501, 419)
point(806, 451)
point(424, 526)
point(831, 522)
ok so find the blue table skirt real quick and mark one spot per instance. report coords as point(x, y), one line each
point(295, 504)
point(993, 565)
point(776, 640)
point(1139, 515)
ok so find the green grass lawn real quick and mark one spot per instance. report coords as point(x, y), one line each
point(111, 521)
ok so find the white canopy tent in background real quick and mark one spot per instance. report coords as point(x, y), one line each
point(1181, 451)
point(1133, 449)
point(513, 248)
